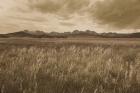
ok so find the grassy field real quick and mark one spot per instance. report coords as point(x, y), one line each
point(69, 65)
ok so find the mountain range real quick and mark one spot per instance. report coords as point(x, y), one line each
point(75, 33)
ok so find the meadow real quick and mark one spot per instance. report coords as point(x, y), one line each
point(69, 66)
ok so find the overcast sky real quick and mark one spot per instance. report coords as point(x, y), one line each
point(68, 15)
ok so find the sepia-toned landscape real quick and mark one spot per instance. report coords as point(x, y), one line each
point(77, 65)
point(69, 46)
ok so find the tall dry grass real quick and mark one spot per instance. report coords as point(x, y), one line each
point(70, 69)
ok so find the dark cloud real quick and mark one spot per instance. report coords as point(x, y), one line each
point(48, 6)
point(118, 13)
point(59, 7)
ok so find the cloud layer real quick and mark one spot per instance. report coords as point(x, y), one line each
point(47, 15)
point(68, 15)
point(59, 7)
point(118, 13)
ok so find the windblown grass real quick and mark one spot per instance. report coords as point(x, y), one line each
point(70, 69)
